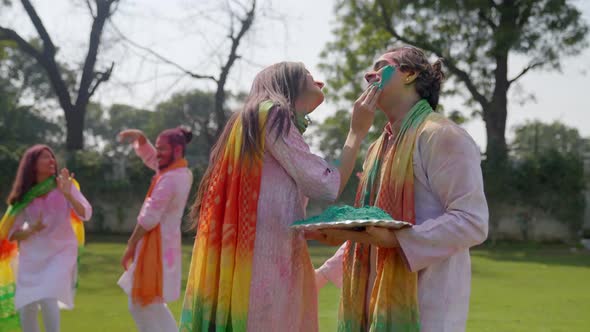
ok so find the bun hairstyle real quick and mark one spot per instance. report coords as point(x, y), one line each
point(188, 135)
point(430, 76)
point(178, 136)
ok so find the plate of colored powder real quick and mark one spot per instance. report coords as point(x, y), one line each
point(348, 217)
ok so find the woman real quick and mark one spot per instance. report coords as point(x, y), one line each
point(425, 170)
point(39, 218)
point(250, 271)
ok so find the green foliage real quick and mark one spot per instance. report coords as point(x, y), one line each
point(534, 137)
point(476, 38)
point(469, 34)
point(554, 183)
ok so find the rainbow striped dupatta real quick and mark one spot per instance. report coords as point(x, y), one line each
point(218, 287)
point(9, 321)
point(388, 183)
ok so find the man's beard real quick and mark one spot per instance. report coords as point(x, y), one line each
point(168, 163)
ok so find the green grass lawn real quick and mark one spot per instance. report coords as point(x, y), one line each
point(515, 288)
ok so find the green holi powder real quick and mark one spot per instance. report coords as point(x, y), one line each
point(346, 212)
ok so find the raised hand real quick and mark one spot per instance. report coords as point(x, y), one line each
point(132, 135)
point(363, 112)
point(64, 182)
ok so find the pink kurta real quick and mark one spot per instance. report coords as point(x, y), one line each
point(283, 296)
point(165, 207)
point(451, 217)
point(47, 260)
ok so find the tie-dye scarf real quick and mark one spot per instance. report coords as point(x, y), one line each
point(9, 249)
point(218, 286)
point(388, 183)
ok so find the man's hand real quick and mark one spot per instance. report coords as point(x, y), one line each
point(128, 256)
point(374, 235)
point(321, 237)
point(132, 135)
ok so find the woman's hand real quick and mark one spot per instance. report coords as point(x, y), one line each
point(363, 112)
point(64, 183)
point(23, 235)
point(37, 227)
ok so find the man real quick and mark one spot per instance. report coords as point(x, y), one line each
point(425, 170)
point(154, 249)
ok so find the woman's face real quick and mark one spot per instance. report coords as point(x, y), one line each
point(311, 95)
point(45, 165)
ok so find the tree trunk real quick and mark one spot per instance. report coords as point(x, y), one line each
point(220, 117)
point(495, 120)
point(495, 113)
point(75, 128)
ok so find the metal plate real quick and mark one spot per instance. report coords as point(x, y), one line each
point(347, 224)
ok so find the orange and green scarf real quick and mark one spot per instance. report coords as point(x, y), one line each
point(218, 286)
point(387, 183)
point(9, 249)
point(148, 276)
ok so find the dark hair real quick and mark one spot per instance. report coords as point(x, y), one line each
point(430, 76)
point(26, 175)
point(177, 137)
point(281, 83)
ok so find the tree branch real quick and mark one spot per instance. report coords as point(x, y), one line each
point(488, 20)
point(114, 8)
point(162, 58)
point(524, 16)
point(9, 34)
point(46, 61)
point(101, 77)
point(48, 46)
point(103, 11)
point(461, 74)
point(246, 24)
point(90, 9)
point(525, 70)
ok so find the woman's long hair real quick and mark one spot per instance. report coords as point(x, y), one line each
point(26, 175)
point(280, 83)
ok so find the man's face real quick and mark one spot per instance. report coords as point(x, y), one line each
point(165, 152)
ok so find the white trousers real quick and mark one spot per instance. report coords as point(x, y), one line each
point(49, 311)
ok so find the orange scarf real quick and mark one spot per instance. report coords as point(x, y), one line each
point(148, 276)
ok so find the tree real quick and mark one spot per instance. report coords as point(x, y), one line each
point(475, 37)
point(553, 182)
point(21, 125)
point(193, 109)
point(535, 137)
point(73, 103)
point(241, 20)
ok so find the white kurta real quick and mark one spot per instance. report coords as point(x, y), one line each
point(451, 217)
point(47, 261)
point(165, 206)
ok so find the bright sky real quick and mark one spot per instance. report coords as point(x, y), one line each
point(191, 32)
